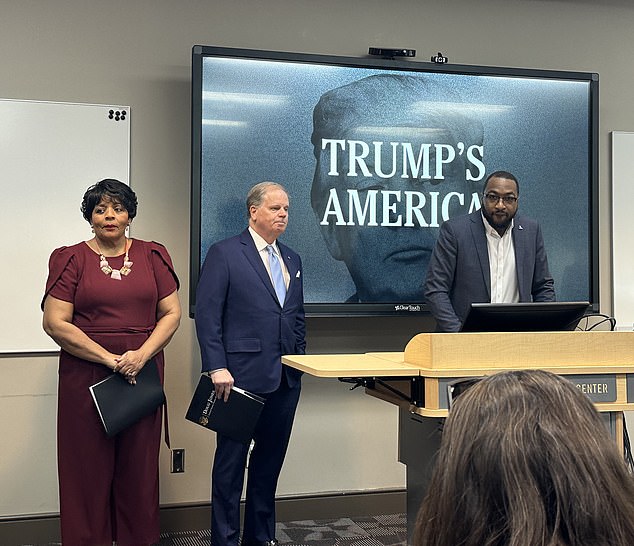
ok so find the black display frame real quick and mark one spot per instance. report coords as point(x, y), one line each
point(353, 309)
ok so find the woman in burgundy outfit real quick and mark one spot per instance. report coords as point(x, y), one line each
point(111, 304)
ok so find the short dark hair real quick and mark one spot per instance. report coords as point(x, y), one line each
point(502, 174)
point(113, 190)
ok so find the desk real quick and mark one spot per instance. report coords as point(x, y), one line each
point(599, 363)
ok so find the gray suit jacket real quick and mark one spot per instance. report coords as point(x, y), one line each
point(459, 273)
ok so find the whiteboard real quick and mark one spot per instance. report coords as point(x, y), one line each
point(622, 232)
point(50, 153)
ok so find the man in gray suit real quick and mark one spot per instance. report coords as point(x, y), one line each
point(490, 255)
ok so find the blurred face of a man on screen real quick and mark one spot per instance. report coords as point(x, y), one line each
point(500, 200)
point(388, 172)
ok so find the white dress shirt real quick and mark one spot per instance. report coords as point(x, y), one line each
point(504, 285)
point(261, 245)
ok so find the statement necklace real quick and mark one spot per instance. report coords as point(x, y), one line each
point(108, 270)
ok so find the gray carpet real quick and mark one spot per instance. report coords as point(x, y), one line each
point(384, 530)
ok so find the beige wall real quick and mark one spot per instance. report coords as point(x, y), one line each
point(137, 53)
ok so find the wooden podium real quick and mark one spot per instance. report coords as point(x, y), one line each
point(600, 363)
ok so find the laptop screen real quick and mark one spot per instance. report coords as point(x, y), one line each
point(524, 317)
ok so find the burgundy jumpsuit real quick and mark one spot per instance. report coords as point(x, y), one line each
point(108, 487)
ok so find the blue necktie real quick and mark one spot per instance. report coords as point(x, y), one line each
point(277, 275)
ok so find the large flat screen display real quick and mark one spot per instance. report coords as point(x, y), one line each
point(377, 153)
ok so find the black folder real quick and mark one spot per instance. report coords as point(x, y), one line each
point(121, 404)
point(236, 418)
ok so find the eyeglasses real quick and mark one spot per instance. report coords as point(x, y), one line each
point(458, 387)
point(493, 198)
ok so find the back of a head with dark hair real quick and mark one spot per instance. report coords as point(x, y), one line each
point(525, 459)
point(112, 190)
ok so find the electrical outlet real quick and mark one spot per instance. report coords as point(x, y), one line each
point(178, 461)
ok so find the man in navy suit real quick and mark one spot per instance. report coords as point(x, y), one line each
point(245, 322)
point(490, 255)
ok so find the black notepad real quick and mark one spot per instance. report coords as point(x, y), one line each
point(236, 418)
point(120, 404)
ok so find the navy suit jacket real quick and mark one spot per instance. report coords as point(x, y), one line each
point(459, 272)
point(239, 321)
